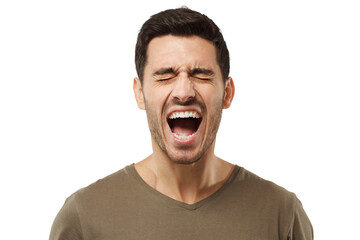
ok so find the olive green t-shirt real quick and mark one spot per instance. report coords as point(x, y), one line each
point(123, 206)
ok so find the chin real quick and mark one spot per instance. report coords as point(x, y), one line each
point(184, 158)
point(184, 161)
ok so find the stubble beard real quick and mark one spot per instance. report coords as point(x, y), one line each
point(156, 133)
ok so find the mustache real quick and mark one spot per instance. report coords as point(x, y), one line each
point(188, 102)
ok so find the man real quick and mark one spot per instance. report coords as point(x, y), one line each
point(182, 190)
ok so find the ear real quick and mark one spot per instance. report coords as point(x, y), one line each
point(229, 92)
point(139, 96)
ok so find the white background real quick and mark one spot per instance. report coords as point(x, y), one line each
point(68, 116)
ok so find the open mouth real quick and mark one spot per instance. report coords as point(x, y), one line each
point(184, 125)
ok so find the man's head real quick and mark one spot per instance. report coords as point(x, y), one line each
point(180, 22)
point(181, 84)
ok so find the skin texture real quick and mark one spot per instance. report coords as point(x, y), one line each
point(182, 74)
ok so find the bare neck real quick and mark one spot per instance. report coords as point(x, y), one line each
point(188, 183)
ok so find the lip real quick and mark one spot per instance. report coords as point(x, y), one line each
point(186, 141)
point(171, 111)
point(193, 138)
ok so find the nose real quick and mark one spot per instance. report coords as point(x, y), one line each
point(183, 89)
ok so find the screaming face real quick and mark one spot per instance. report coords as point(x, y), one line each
point(183, 94)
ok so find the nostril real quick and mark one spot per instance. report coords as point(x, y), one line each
point(184, 102)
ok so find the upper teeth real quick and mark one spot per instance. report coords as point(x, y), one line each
point(175, 115)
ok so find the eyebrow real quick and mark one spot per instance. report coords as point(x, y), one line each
point(193, 71)
point(163, 71)
point(202, 71)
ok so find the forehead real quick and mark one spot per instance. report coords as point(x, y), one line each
point(180, 51)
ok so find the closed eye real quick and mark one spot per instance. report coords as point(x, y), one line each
point(202, 78)
point(164, 79)
point(202, 74)
point(164, 74)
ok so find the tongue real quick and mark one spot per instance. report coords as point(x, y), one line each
point(183, 127)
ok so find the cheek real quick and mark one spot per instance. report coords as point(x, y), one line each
point(213, 98)
point(155, 101)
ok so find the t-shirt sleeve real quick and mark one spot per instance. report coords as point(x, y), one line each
point(66, 225)
point(301, 228)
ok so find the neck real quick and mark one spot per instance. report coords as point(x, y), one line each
point(187, 183)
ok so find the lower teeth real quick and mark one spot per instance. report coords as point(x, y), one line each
point(183, 137)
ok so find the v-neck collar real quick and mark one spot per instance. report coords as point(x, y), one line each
point(131, 169)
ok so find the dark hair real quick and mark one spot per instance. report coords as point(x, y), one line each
point(180, 22)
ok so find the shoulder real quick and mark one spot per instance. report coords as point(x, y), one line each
point(67, 223)
point(273, 201)
point(258, 185)
point(262, 194)
point(102, 190)
point(90, 203)
point(107, 188)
